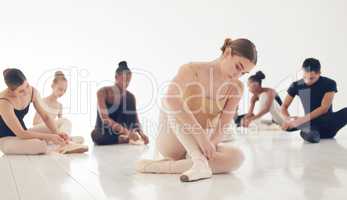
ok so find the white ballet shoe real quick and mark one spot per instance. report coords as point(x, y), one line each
point(200, 170)
point(77, 139)
point(195, 175)
point(136, 142)
point(154, 166)
point(227, 138)
point(73, 148)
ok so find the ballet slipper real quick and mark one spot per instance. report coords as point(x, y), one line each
point(73, 148)
point(227, 138)
point(136, 142)
point(200, 170)
point(162, 166)
point(77, 139)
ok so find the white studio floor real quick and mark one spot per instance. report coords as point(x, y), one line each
point(277, 166)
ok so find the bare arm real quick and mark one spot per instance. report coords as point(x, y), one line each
point(137, 121)
point(322, 109)
point(228, 112)
point(284, 108)
point(137, 125)
point(60, 113)
point(270, 97)
point(37, 119)
point(10, 119)
point(38, 104)
point(101, 100)
point(252, 105)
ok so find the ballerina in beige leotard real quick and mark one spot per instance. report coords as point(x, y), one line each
point(202, 96)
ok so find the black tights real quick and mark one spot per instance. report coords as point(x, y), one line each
point(326, 125)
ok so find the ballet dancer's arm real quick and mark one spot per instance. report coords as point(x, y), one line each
point(36, 119)
point(246, 120)
point(179, 108)
point(284, 111)
point(101, 100)
point(284, 108)
point(321, 110)
point(254, 99)
point(228, 112)
point(47, 120)
point(137, 125)
point(270, 97)
point(12, 122)
point(60, 113)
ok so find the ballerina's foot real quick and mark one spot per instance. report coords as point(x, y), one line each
point(154, 166)
point(193, 175)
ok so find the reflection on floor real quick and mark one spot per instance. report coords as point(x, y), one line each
point(277, 166)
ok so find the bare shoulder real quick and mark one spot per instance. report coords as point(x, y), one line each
point(270, 91)
point(104, 91)
point(2, 94)
point(185, 68)
point(200, 66)
point(191, 70)
point(4, 104)
point(239, 86)
point(35, 93)
point(185, 73)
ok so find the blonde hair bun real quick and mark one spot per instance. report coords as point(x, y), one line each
point(58, 76)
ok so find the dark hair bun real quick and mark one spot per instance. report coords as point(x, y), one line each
point(122, 67)
point(5, 71)
point(259, 75)
point(13, 78)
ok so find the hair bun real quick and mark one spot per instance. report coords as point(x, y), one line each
point(260, 75)
point(227, 43)
point(59, 74)
point(5, 71)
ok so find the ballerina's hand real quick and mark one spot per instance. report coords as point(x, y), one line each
point(208, 149)
point(56, 139)
point(246, 121)
point(133, 135)
point(144, 137)
point(65, 137)
point(291, 123)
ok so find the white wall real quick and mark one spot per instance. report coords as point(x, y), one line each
point(88, 38)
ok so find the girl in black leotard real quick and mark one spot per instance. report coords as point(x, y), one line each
point(15, 101)
point(117, 120)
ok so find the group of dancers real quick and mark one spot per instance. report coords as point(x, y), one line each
point(200, 102)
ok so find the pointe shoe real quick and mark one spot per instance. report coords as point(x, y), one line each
point(77, 139)
point(200, 170)
point(73, 148)
point(227, 138)
point(196, 175)
point(154, 166)
point(136, 142)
